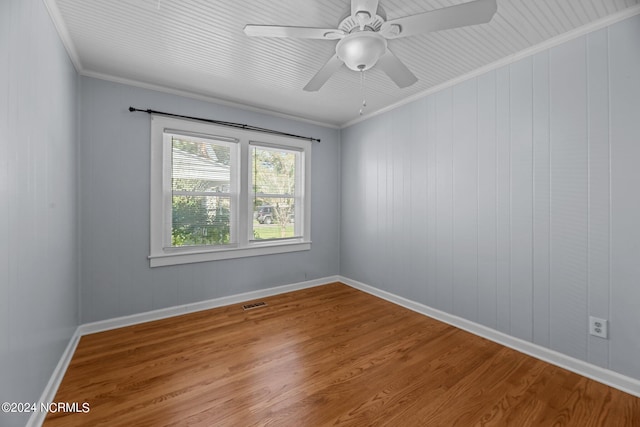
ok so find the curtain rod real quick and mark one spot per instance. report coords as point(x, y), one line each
point(228, 124)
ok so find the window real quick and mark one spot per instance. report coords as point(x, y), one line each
point(274, 197)
point(220, 193)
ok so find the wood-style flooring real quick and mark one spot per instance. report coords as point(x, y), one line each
point(329, 355)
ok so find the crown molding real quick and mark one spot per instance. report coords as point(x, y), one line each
point(200, 97)
point(545, 45)
point(63, 33)
point(65, 37)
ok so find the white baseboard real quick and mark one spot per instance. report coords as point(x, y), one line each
point(49, 393)
point(163, 313)
point(602, 375)
point(605, 376)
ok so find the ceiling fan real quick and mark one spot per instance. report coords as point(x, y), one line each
point(364, 33)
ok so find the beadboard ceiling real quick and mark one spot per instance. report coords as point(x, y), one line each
point(199, 47)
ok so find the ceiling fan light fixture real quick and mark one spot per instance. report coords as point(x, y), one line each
point(360, 51)
point(364, 33)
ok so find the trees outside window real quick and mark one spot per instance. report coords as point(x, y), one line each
point(274, 190)
point(210, 184)
point(200, 199)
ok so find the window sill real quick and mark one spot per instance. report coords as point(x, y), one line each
point(184, 257)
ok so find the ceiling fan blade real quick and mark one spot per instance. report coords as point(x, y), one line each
point(396, 70)
point(323, 75)
point(471, 13)
point(364, 8)
point(296, 32)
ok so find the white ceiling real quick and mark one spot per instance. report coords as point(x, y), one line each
point(198, 46)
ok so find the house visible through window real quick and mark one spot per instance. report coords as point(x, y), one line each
point(219, 193)
point(202, 191)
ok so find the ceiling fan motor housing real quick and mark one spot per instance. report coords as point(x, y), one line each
point(363, 35)
point(361, 50)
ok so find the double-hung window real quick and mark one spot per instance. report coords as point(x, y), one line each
point(220, 193)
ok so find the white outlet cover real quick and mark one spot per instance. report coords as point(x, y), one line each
point(598, 327)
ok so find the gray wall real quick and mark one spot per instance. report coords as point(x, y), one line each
point(38, 262)
point(114, 209)
point(511, 199)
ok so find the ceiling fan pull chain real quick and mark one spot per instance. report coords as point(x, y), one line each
point(362, 89)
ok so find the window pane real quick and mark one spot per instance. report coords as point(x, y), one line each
point(274, 185)
point(274, 219)
point(274, 171)
point(200, 166)
point(200, 220)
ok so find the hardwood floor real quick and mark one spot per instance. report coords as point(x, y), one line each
point(329, 355)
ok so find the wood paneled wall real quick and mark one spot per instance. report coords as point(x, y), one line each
point(38, 187)
point(511, 199)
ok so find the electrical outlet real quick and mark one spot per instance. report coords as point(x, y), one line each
point(598, 327)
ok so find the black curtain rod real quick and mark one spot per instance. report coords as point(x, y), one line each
point(229, 124)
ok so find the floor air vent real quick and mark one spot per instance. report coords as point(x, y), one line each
point(254, 305)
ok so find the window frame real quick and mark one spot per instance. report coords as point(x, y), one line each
point(243, 246)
